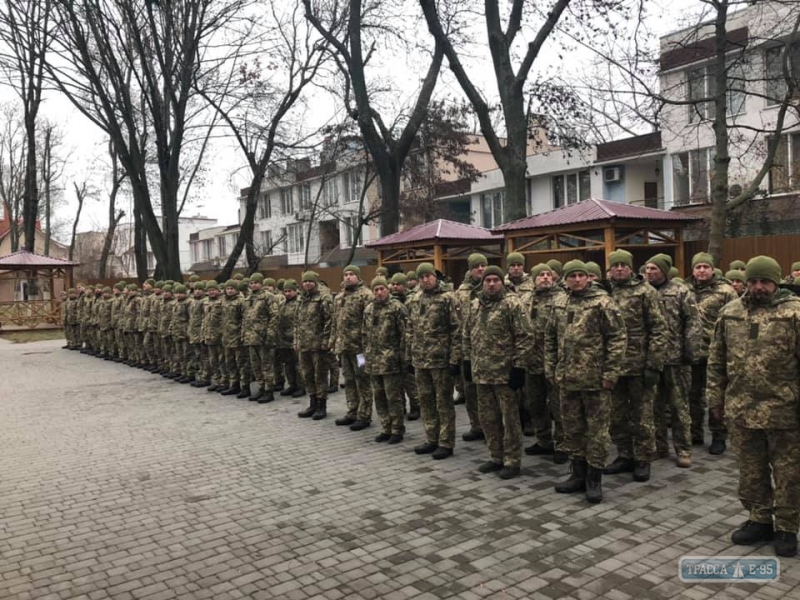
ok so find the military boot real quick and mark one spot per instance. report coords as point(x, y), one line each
point(620, 465)
point(785, 543)
point(594, 485)
point(577, 478)
point(266, 397)
point(232, 391)
point(413, 414)
point(298, 393)
point(214, 387)
point(641, 471)
point(312, 408)
point(288, 391)
point(322, 409)
point(751, 533)
point(244, 392)
point(257, 395)
point(345, 420)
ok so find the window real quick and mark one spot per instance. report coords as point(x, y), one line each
point(221, 248)
point(234, 239)
point(264, 207)
point(208, 249)
point(266, 242)
point(571, 188)
point(784, 175)
point(352, 231)
point(305, 196)
point(287, 201)
point(776, 82)
point(295, 238)
point(195, 253)
point(352, 186)
point(692, 175)
point(330, 194)
point(492, 209)
point(151, 261)
point(702, 84)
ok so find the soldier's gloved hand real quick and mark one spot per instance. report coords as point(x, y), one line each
point(516, 379)
point(651, 377)
point(454, 370)
point(466, 368)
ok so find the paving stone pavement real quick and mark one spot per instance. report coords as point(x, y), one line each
point(115, 483)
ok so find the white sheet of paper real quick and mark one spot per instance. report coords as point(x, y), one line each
point(360, 361)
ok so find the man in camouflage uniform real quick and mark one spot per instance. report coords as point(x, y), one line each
point(164, 320)
point(87, 305)
point(312, 342)
point(259, 334)
point(150, 303)
point(712, 293)
point(632, 426)
point(736, 277)
point(519, 282)
point(232, 313)
point(411, 283)
point(541, 397)
point(286, 356)
point(433, 351)
point(398, 289)
point(754, 384)
point(105, 329)
point(794, 273)
point(585, 345)
point(348, 342)
point(198, 353)
point(72, 326)
point(212, 337)
point(594, 271)
point(465, 294)
point(117, 306)
point(498, 347)
point(684, 332)
point(383, 328)
point(179, 333)
point(130, 315)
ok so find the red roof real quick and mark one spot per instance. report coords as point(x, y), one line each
point(439, 230)
point(594, 210)
point(23, 259)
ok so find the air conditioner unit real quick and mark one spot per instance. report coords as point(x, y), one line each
point(612, 174)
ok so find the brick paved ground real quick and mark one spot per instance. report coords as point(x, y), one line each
point(117, 484)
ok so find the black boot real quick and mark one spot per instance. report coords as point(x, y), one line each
point(785, 543)
point(232, 391)
point(717, 447)
point(345, 420)
point(289, 391)
point(641, 471)
point(594, 485)
point(312, 408)
point(538, 450)
point(751, 533)
point(577, 478)
point(413, 414)
point(322, 409)
point(257, 395)
point(560, 457)
point(266, 397)
point(244, 392)
point(298, 393)
point(620, 465)
point(473, 436)
point(359, 425)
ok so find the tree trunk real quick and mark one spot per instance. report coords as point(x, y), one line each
point(80, 194)
point(247, 229)
point(516, 200)
point(389, 178)
point(108, 241)
point(47, 173)
point(30, 207)
point(139, 244)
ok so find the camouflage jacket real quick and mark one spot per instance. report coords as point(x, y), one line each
point(143, 318)
point(129, 313)
point(86, 308)
point(384, 329)
point(179, 322)
point(754, 363)
point(465, 294)
point(165, 316)
point(260, 319)
point(497, 336)
point(313, 322)
point(524, 288)
point(710, 297)
point(286, 319)
point(348, 313)
point(81, 302)
point(541, 307)
point(117, 306)
point(156, 300)
point(433, 337)
point(196, 313)
point(104, 314)
point(71, 311)
point(645, 326)
point(94, 318)
point(212, 321)
point(232, 314)
point(684, 328)
point(585, 341)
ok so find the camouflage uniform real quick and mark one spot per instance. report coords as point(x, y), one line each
point(754, 375)
point(632, 426)
point(383, 330)
point(150, 306)
point(232, 313)
point(523, 286)
point(348, 341)
point(540, 395)
point(104, 325)
point(497, 338)
point(179, 332)
point(259, 334)
point(312, 336)
point(286, 356)
point(86, 320)
point(465, 294)
point(198, 363)
point(117, 305)
point(164, 320)
point(433, 346)
point(73, 324)
point(141, 327)
point(130, 313)
point(711, 297)
point(212, 338)
point(409, 380)
point(585, 345)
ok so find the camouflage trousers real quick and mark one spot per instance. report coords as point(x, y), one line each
point(387, 390)
point(586, 415)
point(764, 456)
point(199, 362)
point(458, 384)
point(216, 364)
point(237, 366)
point(357, 388)
point(632, 426)
point(498, 406)
point(333, 365)
point(435, 388)
point(410, 389)
point(122, 351)
point(134, 346)
point(182, 356)
point(470, 391)
point(315, 369)
point(262, 365)
point(286, 368)
point(167, 353)
point(83, 331)
point(150, 347)
point(697, 406)
point(72, 332)
point(543, 406)
point(671, 409)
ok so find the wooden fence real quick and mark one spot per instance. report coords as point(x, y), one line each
point(783, 248)
point(30, 313)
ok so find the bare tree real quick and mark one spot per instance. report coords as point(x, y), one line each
point(13, 150)
point(82, 191)
point(52, 168)
point(117, 176)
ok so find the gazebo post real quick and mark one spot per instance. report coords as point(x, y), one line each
point(380, 258)
point(438, 263)
point(509, 245)
point(679, 250)
point(609, 239)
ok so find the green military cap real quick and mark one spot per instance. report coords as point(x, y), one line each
point(159, 284)
point(539, 269)
point(735, 274)
point(256, 278)
point(289, 284)
point(493, 270)
point(475, 259)
point(133, 287)
point(310, 276)
point(72, 291)
point(90, 287)
point(245, 280)
point(399, 279)
point(425, 268)
point(200, 285)
point(212, 285)
point(169, 282)
point(232, 283)
point(119, 286)
point(352, 269)
point(702, 258)
point(795, 266)
point(673, 273)
point(180, 289)
point(556, 266)
point(238, 276)
point(269, 281)
point(151, 282)
point(411, 275)
point(574, 266)
point(660, 261)
point(593, 268)
point(737, 265)
point(620, 256)
point(106, 290)
point(244, 286)
point(194, 278)
point(280, 284)
point(382, 271)
point(81, 284)
point(167, 289)
point(718, 272)
point(515, 258)
point(378, 281)
point(796, 281)
point(763, 267)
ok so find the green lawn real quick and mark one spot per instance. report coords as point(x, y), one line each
point(34, 335)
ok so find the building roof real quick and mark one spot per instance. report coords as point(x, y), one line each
point(439, 230)
point(591, 210)
point(23, 259)
point(631, 146)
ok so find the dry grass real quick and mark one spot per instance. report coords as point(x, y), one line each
point(35, 335)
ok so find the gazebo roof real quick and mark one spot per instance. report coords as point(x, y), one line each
point(22, 259)
point(440, 230)
point(592, 210)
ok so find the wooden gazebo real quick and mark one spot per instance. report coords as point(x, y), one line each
point(592, 229)
point(444, 243)
point(27, 271)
